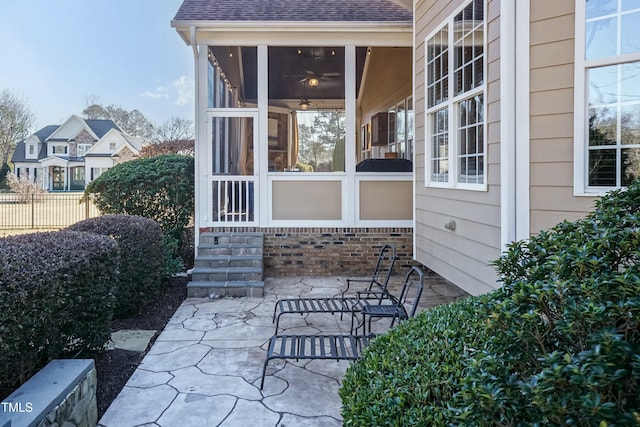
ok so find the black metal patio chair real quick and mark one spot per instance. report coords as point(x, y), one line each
point(397, 310)
point(343, 304)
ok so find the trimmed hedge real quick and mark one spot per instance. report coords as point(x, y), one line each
point(558, 344)
point(405, 375)
point(56, 299)
point(143, 270)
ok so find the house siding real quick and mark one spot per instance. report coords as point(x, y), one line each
point(551, 116)
point(462, 256)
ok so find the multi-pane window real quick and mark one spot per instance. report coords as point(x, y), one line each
point(455, 100)
point(82, 149)
point(612, 74)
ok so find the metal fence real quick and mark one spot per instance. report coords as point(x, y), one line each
point(47, 211)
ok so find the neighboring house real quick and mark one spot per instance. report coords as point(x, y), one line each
point(69, 156)
point(525, 112)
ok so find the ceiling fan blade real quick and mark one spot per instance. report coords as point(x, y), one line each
point(336, 74)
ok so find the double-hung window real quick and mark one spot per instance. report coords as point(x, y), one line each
point(455, 101)
point(607, 105)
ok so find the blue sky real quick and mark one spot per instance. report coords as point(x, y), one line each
point(57, 54)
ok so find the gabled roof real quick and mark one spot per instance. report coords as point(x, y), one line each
point(45, 132)
point(20, 152)
point(101, 127)
point(293, 10)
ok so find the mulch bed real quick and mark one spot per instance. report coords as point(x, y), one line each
point(114, 367)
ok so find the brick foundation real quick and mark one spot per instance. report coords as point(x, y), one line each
point(304, 251)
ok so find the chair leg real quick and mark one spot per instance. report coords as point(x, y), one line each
point(264, 371)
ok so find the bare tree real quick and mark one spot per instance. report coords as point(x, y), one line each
point(132, 122)
point(16, 120)
point(174, 129)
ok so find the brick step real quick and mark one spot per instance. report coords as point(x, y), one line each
point(229, 249)
point(226, 273)
point(232, 237)
point(218, 261)
point(240, 288)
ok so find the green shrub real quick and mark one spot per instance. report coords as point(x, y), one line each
point(565, 339)
point(56, 299)
point(160, 188)
point(558, 344)
point(407, 376)
point(143, 270)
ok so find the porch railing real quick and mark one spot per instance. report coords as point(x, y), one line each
point(46, 211)
point(233, 199)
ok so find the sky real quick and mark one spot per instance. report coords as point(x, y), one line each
point(57, 55)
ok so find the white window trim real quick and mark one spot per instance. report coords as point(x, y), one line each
point(581, 103)
point(452, 105)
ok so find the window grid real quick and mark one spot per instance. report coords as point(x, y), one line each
point(471, 131)
point(462, 137)
point(440, 144)
point(613, 98)
point(438, 68)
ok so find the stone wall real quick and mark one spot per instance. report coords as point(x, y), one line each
point(326, 251)
point(63, 393)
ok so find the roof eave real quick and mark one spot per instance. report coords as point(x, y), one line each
point(226, 29)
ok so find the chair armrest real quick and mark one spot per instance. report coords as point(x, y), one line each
point(376, 295)
point(355, 281)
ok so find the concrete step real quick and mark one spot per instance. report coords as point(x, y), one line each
point(213, 289)
point(226, 274)
point(220, 238)
point(218, 261)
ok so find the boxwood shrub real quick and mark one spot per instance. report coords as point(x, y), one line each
point(56, 299)
point(406, 377)
point(143, 272)
point(557, 344)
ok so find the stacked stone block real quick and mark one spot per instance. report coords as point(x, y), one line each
point(228, 264)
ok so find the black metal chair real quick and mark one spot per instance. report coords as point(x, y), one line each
point(343, 304)
point(413, 286)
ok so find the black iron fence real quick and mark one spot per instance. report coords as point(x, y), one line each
point(47, 210)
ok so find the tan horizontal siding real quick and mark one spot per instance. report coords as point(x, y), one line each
point(552, 116)
point(461, 255)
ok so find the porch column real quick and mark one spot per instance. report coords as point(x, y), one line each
point(349, 198)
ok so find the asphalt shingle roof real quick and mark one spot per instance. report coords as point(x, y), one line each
point(101, 127)
point(293, 10)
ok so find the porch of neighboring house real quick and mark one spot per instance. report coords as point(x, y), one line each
point(62, 175)
point(307, 142)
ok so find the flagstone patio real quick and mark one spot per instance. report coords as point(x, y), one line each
point(205, 367)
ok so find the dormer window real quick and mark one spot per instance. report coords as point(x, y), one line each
point(59, 149)
point(32, 149)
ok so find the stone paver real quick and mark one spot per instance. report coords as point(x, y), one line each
point(205, 367)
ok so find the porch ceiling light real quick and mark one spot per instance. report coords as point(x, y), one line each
point(304, 104)
point(313, 81)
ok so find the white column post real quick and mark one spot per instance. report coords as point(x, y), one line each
point(350, 144)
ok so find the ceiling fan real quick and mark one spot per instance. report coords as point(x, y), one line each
point(313, 79)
